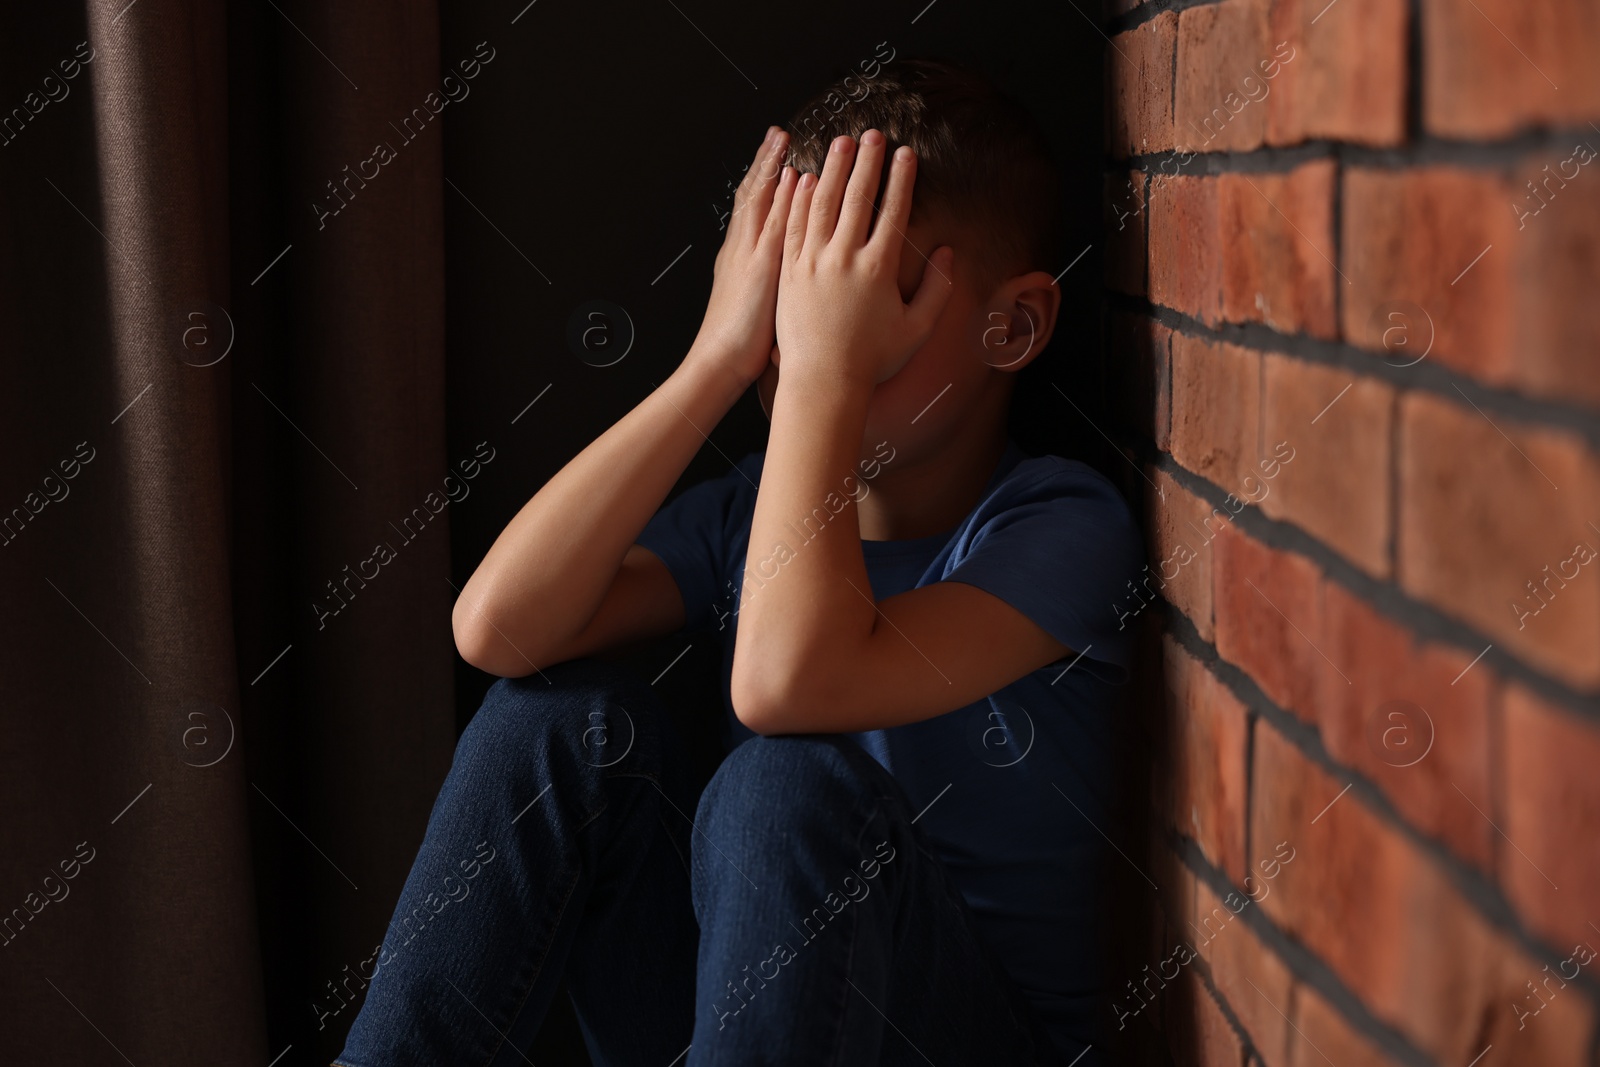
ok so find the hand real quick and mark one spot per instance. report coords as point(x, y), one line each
point(738, 331)
point(839, 310)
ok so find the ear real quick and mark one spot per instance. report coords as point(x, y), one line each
point(1019, 319)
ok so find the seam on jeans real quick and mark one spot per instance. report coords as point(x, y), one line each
point(538, 969)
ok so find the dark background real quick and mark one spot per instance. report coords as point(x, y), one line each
point(603, 140)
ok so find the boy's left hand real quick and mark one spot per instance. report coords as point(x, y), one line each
point(840, 315)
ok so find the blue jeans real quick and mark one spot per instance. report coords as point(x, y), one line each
point(798, 918)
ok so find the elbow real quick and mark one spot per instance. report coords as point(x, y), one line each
point(470, 642)
point(753, 705)
point(769, 702)
point(483, 646)
point(760, 704)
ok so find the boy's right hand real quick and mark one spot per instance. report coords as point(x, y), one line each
point(738, 330)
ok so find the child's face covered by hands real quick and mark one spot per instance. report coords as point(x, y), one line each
point(908, 354)
point(841, 316)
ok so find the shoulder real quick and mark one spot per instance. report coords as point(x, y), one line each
point(1068, 489)
point(1055, 540)
point(1049, 508)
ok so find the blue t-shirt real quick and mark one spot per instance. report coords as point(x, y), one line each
point(1016, 784)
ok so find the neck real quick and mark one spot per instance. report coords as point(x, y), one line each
point(918, 496)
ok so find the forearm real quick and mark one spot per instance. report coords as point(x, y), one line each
point(546, 574)
point(806, 603)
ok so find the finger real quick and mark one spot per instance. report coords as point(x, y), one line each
point(746, 196)
point(855, 215)
point(776, 228)
point(799, 214)
point(758, 201)
point(888, 234)
point(830, 188)
point(929, 299)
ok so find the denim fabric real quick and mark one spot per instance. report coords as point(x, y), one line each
point(799, 919)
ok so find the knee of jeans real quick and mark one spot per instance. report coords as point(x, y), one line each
point(583, 712)
point(775, 783)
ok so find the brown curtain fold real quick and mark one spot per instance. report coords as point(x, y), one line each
point(212, 787)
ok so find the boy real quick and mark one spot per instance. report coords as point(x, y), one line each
point(897, 861)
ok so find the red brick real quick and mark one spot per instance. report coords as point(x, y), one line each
point(1336, 486)
point(1322, 1036)
point(1343, 71)
point(1268, 618)
point(1197, 1031)
point(1550, 1027)
point(1479, 521)
point(1253, 981)
point(1408, 236)
point(1182, 527)
point(1158, 375)
point(1384, 918)
point(1186, 246)
point(1125, 217)
point(1435, 769)
point(1558, 260)
point(1139, 87)
point(1215, 410)
point(1218, 103)
point(1277, 234)
point(1521, 316)
point(1550, 812)
point(1492, 67)
point(1201, 774)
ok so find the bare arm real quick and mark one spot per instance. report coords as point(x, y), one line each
point(564, 577)
point(545, 576)
point(832, 658)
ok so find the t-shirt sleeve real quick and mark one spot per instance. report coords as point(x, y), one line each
point(1061, 549)
point(691, 533)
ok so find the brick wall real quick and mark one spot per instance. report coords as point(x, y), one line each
point(1353, 262)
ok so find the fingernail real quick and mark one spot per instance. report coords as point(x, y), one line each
point(841, 142)
point(872, 137)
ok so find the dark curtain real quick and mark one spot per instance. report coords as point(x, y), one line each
point(216, 401)
point(234, 493)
